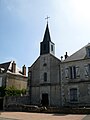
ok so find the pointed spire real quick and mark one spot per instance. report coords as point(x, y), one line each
point(47, 46)
point(47, 34)
point(47, 18)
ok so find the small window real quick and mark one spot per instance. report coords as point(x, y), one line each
point(88, 52)
point(44, 64)
point(51, 47)
point(45, 76)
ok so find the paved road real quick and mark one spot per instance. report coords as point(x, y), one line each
point(2, 118)
point(86, 117)
point(40, 116)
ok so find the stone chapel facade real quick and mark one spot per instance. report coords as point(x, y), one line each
point(44, 75)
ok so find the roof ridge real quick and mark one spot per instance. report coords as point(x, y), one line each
point(79, 54)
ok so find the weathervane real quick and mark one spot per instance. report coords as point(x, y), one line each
point(47, 18)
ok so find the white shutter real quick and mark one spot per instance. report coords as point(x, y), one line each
point(77, 71)
point(67, 72)
point(0, 81)
point(86, 70)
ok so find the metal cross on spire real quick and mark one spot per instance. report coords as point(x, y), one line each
point(47, 18)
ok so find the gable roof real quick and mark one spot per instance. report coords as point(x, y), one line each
point(5, 66)
point(39, 58)
point(79, 55)
point(34, 62)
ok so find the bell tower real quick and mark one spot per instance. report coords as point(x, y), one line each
point(47, 46)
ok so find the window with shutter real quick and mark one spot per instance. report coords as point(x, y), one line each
point(77, 71)
point(73, 94)
point(86, 70)
point(72, 70)
point(67, 73)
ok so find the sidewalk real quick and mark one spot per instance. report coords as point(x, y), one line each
point(38, 116)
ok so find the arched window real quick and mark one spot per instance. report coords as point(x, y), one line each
point(45, 76)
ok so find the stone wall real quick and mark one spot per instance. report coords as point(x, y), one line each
point(15, 100)
point(20, 82)
point(81, 83)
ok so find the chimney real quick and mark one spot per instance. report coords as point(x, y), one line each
point(66, 55)
point(24, 70)
point(61, 58)
point(13, 67)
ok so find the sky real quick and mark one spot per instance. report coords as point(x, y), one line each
point(22, 27)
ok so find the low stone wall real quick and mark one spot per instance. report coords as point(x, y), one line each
point(32, 108)
point(15, 100)
point(22, 103)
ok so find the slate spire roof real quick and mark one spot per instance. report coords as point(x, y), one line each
point(47, 46)
point(47, 34)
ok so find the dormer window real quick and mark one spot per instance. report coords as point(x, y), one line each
point(88, 52)
point(2, 70)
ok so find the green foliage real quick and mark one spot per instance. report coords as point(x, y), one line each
point(12, 91)
point(23, 91)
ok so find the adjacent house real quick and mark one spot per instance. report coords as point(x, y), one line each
point(11, 75)
point(75, 78)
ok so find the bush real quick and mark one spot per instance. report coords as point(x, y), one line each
point(12, 91)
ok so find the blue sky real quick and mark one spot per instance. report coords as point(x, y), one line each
point(22, 26)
